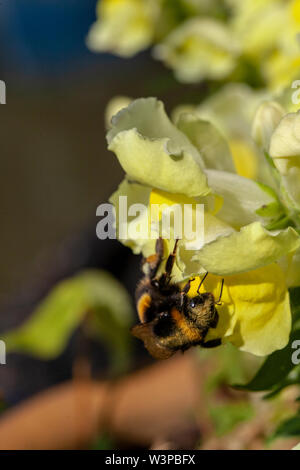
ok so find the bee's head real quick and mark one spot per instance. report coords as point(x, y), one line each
point(201, 300)
point(201, 307)
point(155, 283)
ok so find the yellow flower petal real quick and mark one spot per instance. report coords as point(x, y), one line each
point(250, 248)
point(114, 106)
point(152, 151)
point(244, 157)
point(208, 140)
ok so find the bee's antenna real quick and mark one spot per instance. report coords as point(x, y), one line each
point(199, 287)
point(220, 296)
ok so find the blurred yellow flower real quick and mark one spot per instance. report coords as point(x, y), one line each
point(267, 31)
point(124, 27)
point(204, 39)
point(201, 39)
point(198, 49)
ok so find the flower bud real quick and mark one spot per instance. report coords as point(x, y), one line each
point(266, 119)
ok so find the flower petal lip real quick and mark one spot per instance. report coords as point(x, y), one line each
point(115, 105)
point(152, 151)
point(250, 248)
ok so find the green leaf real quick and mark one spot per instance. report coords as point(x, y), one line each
point(81, 298)
point(280, 223)
point(292, 379)
point(290, 427)
point(274, 370)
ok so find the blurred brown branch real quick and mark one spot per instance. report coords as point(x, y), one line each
point(147, 405)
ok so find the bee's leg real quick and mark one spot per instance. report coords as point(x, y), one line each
point(166, 276)
point(187, 286)
point(212, 343)
point(153, 261)
point(199, 287)
point(171, 260)
point(220, 296)
point(185, 290)
point(159, 248)
point(214, 323)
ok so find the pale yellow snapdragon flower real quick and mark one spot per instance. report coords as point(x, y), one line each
point(191, 162)
point(124, 27)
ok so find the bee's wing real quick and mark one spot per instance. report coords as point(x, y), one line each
point(144, 332)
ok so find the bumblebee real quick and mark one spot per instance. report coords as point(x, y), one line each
point(170, 319)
